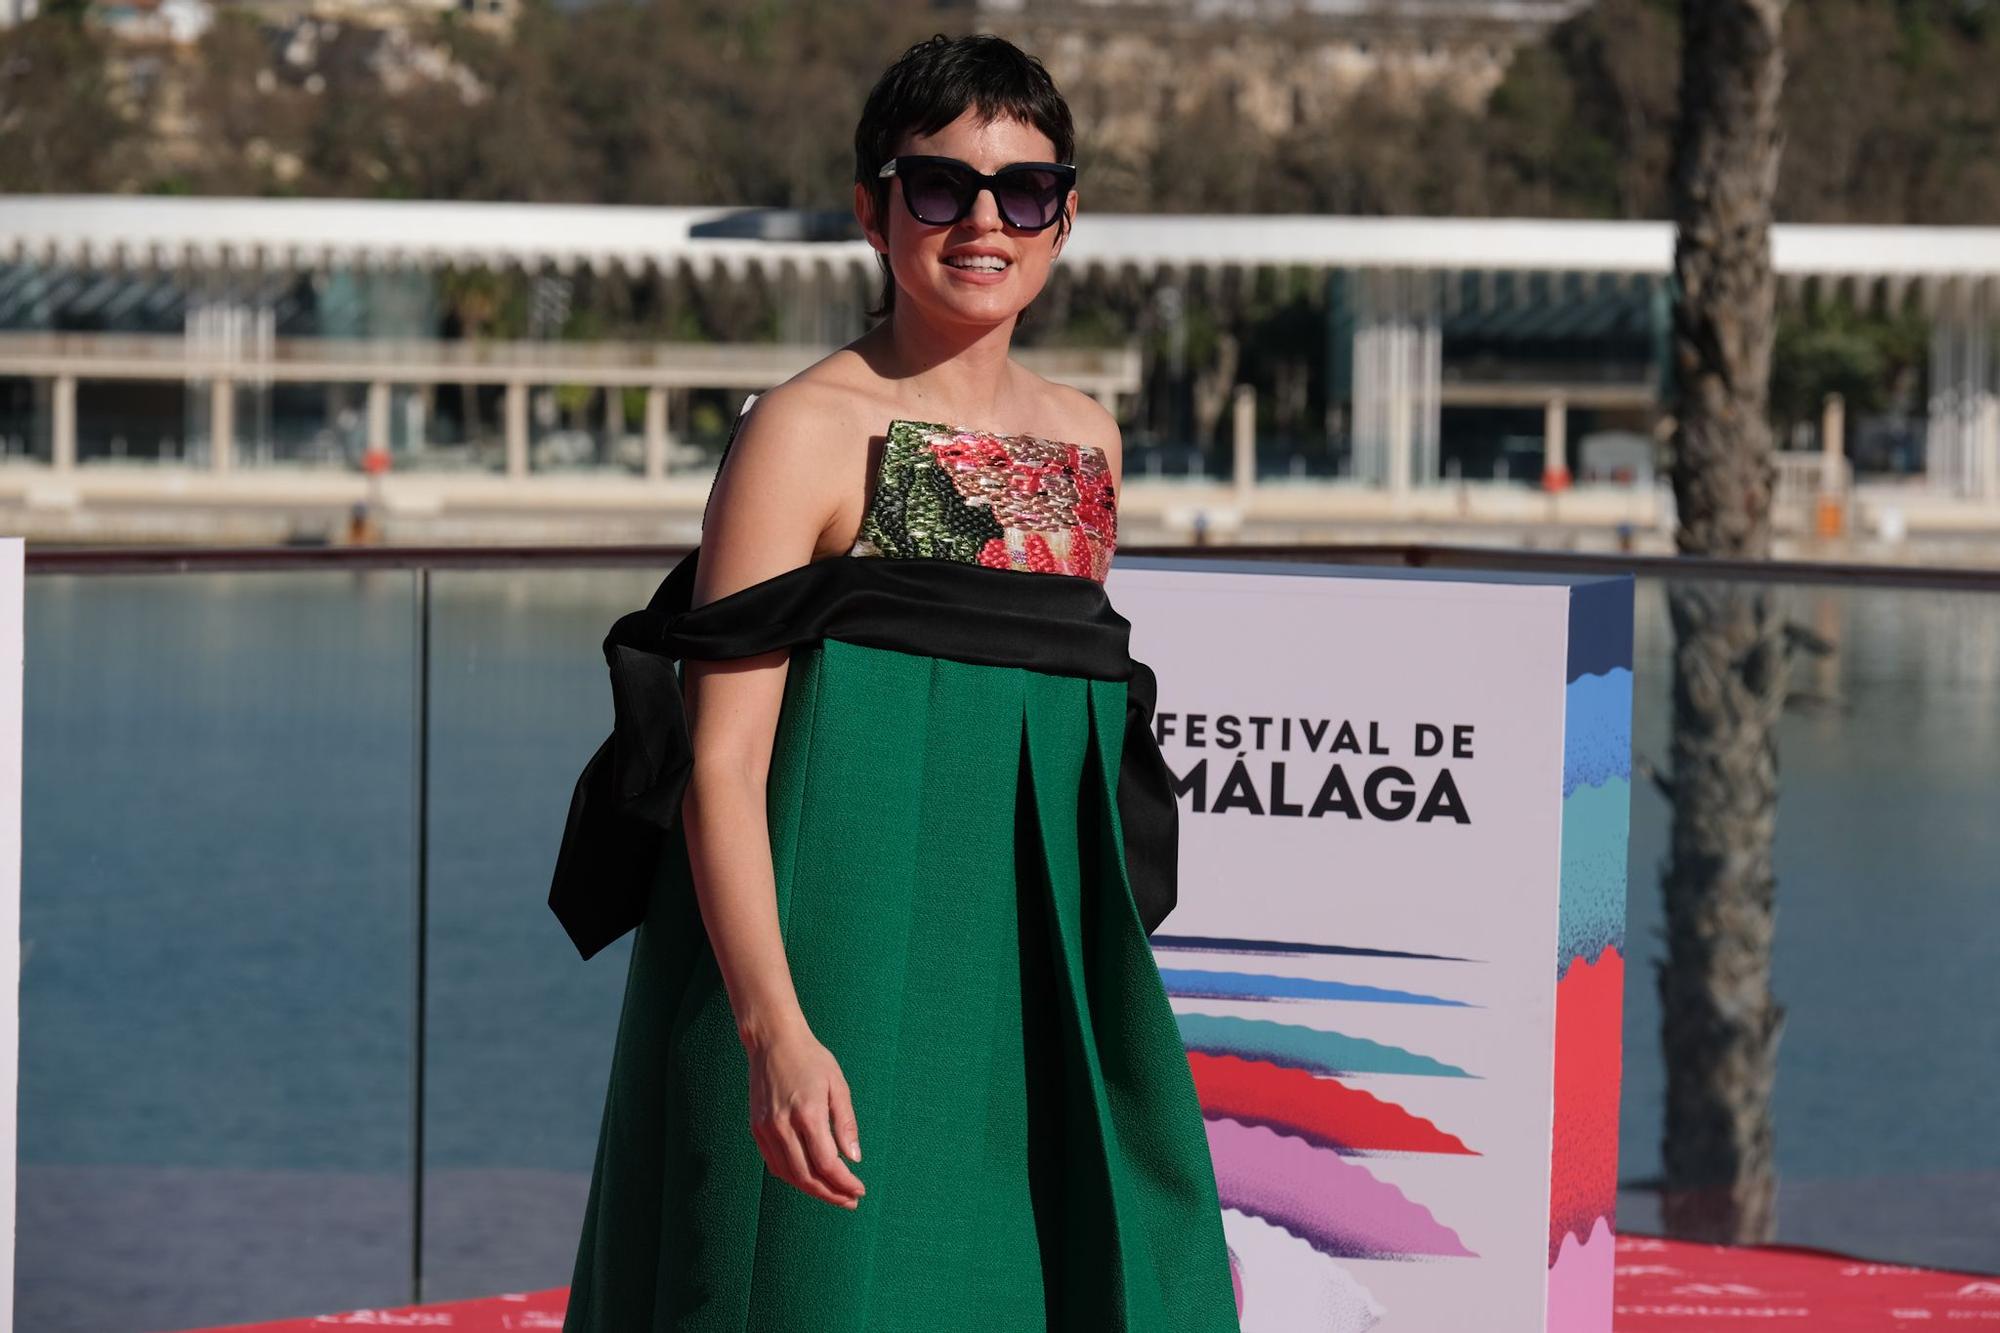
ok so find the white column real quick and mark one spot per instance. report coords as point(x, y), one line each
point(1555, 444)
point(1986, 447)
point(378, 417)
point(517, 429)
point(1962, 453)
point(221, 424)
point(1832, 441)
point(656, 433)
point(1396, 403)
point(1398, 369)
point(614, 422)
point(62, 424)
point(1243, 424)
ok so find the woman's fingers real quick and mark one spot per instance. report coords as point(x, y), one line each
point(798, 1166)
point(844, 1128)
point(802, 1116)
point(816, 1133)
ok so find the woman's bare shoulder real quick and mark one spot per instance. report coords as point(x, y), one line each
point(796, 420)
point(830, 403)
point(1081, 419)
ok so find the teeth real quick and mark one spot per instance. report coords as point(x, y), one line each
point(994, 265)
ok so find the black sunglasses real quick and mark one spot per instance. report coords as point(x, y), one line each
point(939, 191)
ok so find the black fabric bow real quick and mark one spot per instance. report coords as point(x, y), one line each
point(629, 793)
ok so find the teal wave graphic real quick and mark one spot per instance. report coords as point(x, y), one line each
point(1595, 830)
point(1302, 1047)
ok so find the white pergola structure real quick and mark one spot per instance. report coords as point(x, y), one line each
point(1407, 274)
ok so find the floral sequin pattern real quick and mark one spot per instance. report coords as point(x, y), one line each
point(1006, 501)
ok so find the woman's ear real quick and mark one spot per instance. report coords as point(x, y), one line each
point(864, 213)
point(1063, 234)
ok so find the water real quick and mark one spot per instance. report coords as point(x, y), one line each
point(217, 1022)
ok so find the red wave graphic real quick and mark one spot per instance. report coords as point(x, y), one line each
point(1583, 1172)
point(1324, 1111)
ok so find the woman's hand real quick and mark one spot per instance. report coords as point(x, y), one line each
point(799, 1107)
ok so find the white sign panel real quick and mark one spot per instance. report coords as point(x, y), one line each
point(1397, 955)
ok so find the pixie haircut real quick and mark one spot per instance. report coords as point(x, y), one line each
point(932, 84)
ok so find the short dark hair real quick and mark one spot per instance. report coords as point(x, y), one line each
point(935, 82)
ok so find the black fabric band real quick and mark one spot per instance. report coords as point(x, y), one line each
point(629, 792)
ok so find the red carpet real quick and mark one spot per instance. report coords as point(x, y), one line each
point(1664, 1286)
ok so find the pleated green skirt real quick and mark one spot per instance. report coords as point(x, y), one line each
point(950, 879)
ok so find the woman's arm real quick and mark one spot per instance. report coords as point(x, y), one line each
point(775, 495)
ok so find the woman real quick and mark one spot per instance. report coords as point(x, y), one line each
point(894, 837)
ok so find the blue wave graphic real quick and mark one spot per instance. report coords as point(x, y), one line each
point(1597, 730)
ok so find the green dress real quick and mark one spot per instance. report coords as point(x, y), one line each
point(951, 884)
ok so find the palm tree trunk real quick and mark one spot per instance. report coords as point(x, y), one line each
point(1719, 1021)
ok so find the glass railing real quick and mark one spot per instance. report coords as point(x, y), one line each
point(299, 1033)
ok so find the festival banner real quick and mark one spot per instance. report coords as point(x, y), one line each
point(1397, 959)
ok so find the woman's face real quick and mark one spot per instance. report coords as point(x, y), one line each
point(917, 253)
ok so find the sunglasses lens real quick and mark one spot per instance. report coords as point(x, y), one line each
point(1029, 198)
point(936, 193)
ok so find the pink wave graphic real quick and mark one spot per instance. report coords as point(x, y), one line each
point(1336, 1205)
point(1580, 1283)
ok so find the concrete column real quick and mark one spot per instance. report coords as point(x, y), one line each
point(1986, 436)
point(517, 429)
point(656, 433)
point(378, 417)
point(614, 422)
point(1397, 409)
point(1398, 368)
point(1243, 424)
point(416, 420)
point(221, 424)
point(1832, 441)
point(1555, 444)
point(62, 424)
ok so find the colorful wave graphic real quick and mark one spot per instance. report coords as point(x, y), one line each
point(1289, 1284)
point(1279, 1123)
point(1300, 1047)
point(1583, 1170)
point(1580, 1283)
point(1596, 813)
point(1596, 823)
point(1597, 730)
point(1323, 1111)
point(1590, 966)
point(1337, 1206)
point(1200, 984)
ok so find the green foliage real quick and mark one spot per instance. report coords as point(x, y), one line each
point(1890, 105)
point(62, 125)
point(1090, 326)
point(1831, 347)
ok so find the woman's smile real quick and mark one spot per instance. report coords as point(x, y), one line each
point(981, 270)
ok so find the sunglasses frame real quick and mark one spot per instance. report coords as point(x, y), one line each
point(1066, 173)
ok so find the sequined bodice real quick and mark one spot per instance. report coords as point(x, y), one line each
point(1004, 500)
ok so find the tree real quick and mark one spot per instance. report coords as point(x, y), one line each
point(1720, 1023)
point(61, 126)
